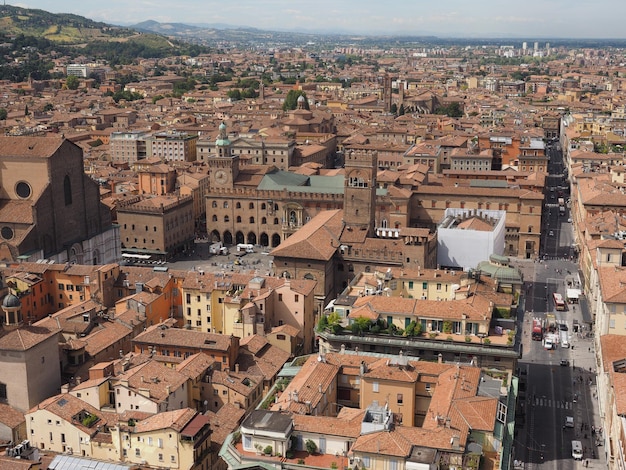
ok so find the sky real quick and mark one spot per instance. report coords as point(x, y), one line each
point(528, 19)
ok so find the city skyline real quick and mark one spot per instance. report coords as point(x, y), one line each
point(455, 18)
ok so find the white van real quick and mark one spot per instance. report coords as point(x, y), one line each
point(564, 340)
point(245, 247)
point(577, 450)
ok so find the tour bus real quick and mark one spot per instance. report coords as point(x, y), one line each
point(245, 247)
point(577, 450)
point(559, 303)
point(563, 340)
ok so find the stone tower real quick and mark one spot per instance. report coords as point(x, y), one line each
point(223, 166)
point(360, 190)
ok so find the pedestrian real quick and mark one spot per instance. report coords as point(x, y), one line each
point(589, 349)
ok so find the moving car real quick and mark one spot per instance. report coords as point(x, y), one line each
point(564, 362)
point(569, 421)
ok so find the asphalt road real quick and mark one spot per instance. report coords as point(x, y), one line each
point(551, 391)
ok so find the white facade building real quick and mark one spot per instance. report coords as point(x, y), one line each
point(468, 236)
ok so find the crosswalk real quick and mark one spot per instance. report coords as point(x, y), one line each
point(563, 405)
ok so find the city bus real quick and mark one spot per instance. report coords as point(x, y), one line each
point(537, 333)
point(559, 303)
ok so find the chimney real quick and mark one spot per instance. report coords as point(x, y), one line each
point(65, 388)
point(439, 358)
point(319, 388)
point(237, 367)
point(167, 389)
point(78, 380)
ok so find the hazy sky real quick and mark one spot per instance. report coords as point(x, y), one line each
point(458, 18)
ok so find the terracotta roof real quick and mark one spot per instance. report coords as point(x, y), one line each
point(10, 417)
point(175, 420)
point(225, 421)
point(315, 239)
point(29, 146)
point(24, 338)
point(332, 426)
point(181, 337)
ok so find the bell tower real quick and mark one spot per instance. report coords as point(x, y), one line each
point(359, 206)
point(223, 166)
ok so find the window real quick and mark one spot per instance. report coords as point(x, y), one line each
point(375, 387)
point(296, 298)
point(400, 399)
point(366, 461)
point(67, 190)
point(501, 413)
point(280, 297)
point(137, 452)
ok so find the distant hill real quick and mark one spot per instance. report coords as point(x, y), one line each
point(61, 28)
point(207, 33)
point(79, 35)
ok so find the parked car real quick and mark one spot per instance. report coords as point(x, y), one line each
point(564, 362)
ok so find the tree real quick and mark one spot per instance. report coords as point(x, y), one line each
point(72, 82)
point(311, 447)
point(291, 100)
point(26, 111)
point(360, 325)
point(234, 94)
point(3, 114)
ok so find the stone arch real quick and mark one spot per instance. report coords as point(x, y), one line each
point(264, 239)
point(215, 236)
point(286, 274)
point(275, 240)
point(309, 277)
point(228, 238)
point(239, 238)
point(76, 254)
point(96, 258)
point(252, 238)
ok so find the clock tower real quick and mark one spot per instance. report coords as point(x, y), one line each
point(223, 166)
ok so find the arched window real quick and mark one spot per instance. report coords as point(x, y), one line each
point(251, 205)
point(238, 219)
point(275, 220)
point(263, 220)
point(225, 204)
point(263, 206)
point(251, 220)
point(309, 276)
point(67, 190)
point(214, 218)
point(214, 204)
point(226, 219)
point(238, 205)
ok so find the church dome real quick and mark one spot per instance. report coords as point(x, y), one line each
point(11, 301)
point(222, 127)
